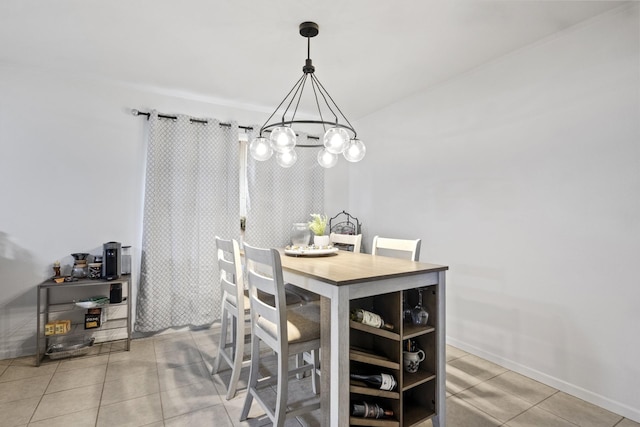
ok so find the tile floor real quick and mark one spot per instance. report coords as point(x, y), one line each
point(165, 381)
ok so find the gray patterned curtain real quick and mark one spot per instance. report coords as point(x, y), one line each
point(278, 196)
point(191, 195)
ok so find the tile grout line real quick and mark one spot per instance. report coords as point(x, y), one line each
point(549, 412)
point(481, 410)
point(505, 392)
point(526, 410)
point(155, 358)
point(104, 381)
point(482, 381)
point(44, 392)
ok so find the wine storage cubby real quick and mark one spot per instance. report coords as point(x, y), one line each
point(376, 351)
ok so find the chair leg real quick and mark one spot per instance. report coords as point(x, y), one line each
point(253, 376)
point(223, 341)
point(282, 390)
point(315, 378)
point(238, 334)
point(299, 363)
point(234, 336)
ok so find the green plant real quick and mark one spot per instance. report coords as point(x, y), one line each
point(318, 224)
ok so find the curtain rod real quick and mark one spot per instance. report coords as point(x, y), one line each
point(166, 116)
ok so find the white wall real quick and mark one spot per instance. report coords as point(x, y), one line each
point(523, 176)
point(71, 178)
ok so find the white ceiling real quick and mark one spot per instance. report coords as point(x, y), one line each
point(369, 53)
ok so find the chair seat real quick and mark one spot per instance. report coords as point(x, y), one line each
point(231, 299)
point(303, 324)
point(291, 298)
point(303, 294)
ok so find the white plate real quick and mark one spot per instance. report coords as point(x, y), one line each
point(310, 251)
point(86, 304)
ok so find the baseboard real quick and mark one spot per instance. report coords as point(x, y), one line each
point(579, 392)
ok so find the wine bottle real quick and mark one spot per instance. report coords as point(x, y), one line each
point(381, 381)
point(369, 410)
point(368, 318)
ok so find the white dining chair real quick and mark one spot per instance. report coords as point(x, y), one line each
point(396, 247)
point(351, 242)
point(286, 330)
point(235, 307)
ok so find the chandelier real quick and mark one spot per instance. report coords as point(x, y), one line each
point(339, 137)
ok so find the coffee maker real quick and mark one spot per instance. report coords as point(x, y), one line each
point(111, 260)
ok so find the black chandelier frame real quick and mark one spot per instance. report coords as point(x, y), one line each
point(308, 30)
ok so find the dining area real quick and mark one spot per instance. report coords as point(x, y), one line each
point(302, 302)
point(503, 134)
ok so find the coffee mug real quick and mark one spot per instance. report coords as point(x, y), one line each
point(412, 359)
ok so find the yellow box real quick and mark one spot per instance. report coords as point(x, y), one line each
point(59, 328)
point(91, 323)
point(62, 326)
point(50, 328)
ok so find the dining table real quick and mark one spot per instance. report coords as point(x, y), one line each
point(344, 276)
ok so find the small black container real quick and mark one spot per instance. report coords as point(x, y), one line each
point(115, 294)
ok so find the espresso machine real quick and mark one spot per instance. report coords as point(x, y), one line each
point(112, 260)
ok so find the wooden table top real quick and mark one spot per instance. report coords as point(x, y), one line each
point(344, 268)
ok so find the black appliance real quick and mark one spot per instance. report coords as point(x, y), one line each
point(111, 260)
point(115, 293)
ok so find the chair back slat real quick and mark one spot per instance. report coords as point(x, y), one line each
point(227, 274)
point(354, 240)
point(231, 279)
point(264, 273)
point(258, 282)
point(403, 245)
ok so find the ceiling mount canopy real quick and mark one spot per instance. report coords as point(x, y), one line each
point(339, 135)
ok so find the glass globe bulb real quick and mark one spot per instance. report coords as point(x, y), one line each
point(327, 159)
point(355, 151)
point(286, 159)
point(335, 140)
point(260, 149)
point(282, 139)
